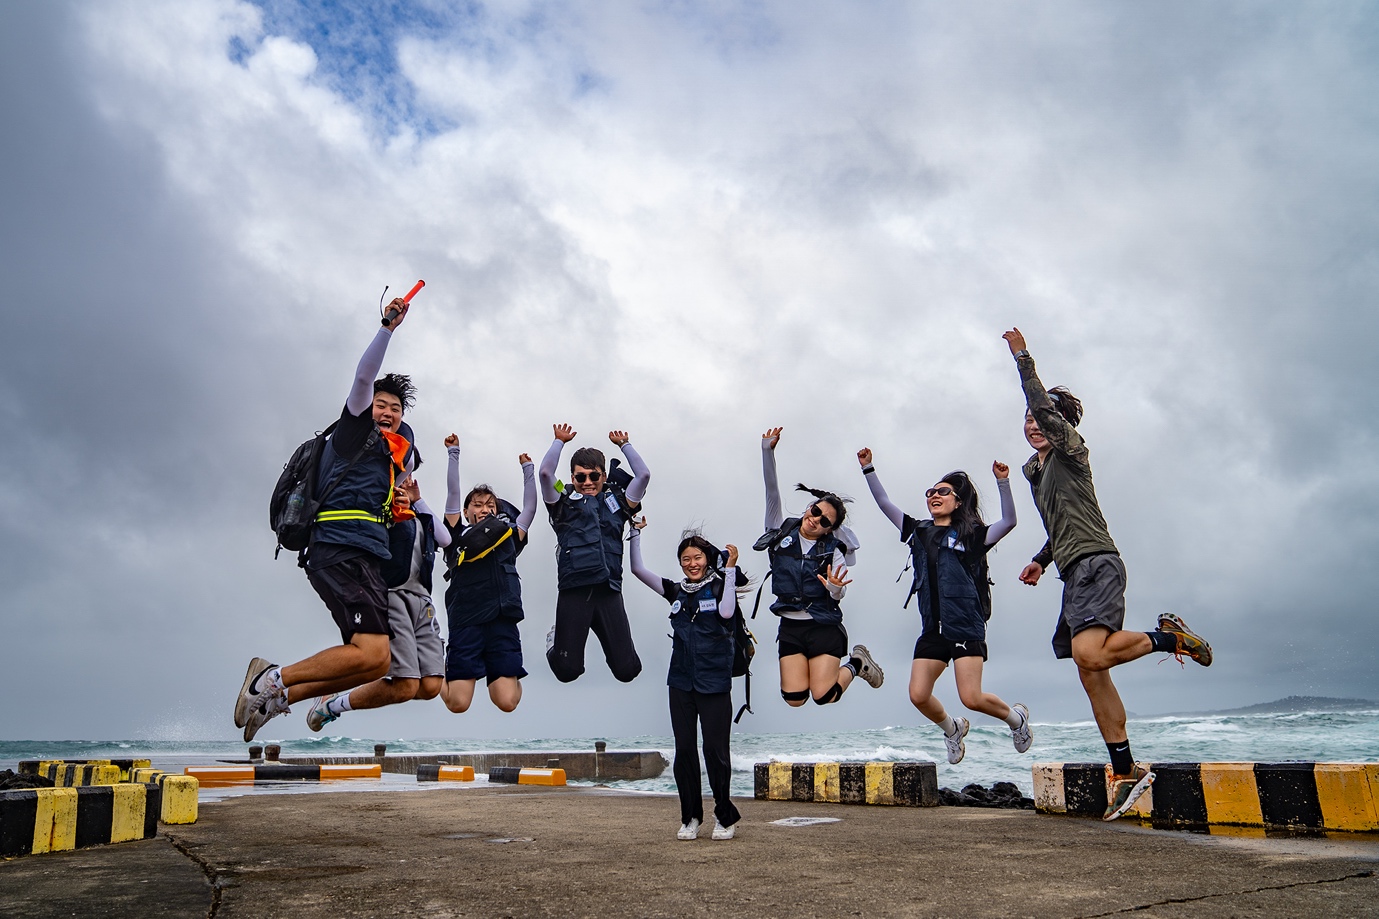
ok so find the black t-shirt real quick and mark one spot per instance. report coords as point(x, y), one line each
point(349, 435)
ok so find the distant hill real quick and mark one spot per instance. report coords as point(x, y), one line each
point(1299, 704)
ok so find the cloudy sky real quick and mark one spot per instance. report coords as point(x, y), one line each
point(692, 221)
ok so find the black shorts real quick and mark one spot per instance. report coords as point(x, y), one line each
point(812, 639)
point(355, 594)
point(938, 648)
point(491, 650)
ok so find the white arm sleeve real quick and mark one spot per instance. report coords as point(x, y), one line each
point(893, 513)
point(453, 495)
point(528, 497)
point(1007, 522)
point(729, 601)
point(361, 393)
point(775, 515)
point(437, 523)
point(639, 570)
point(641, 476)
point(547, 473)
point(837, 592)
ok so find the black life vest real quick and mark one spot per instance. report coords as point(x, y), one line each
point(484, 585)
point(701, 656)
point(588, 532)
point(402, 544)
point(954, 588)
point(795, 576)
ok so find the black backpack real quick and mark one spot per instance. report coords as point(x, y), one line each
point(744, 649)
point(295, 502)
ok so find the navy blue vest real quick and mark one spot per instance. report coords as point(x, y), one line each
point(362, 501)
point(701, 657)
point(487, 588)
point(401, 543)
point(960, 615)
point(794, 578)
point(588, 532)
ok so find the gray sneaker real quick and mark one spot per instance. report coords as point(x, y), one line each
point(320, 714)
point(956, 748)
point(870, 670)
point(1024, 734)
point(1125, 790)
point(250, 694)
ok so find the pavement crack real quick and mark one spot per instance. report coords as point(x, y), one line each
point(1234, 893)
point(212, 873)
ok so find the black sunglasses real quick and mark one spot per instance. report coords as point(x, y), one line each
point(942, 491)
point(816, 511)
point(582, 477)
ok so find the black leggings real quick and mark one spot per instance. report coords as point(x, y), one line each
point(581, 609)
point(714, 710)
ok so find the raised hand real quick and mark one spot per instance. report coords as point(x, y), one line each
point(1032, 573)
point(1000, 470)
point(401, 306)
point(864, 456)
point(773, 436)
point(732, 555)
point(1016, 341)
point(453, 440)
point(639, 522)
point(523, 459)
point(619, 438)
point(564, 433)
point(838, 578)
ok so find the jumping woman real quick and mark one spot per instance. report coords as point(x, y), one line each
point(810, 555)
point(948, 553)
point(701, 673)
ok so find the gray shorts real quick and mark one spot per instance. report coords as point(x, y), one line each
point(1093, 594)
point(416, 646)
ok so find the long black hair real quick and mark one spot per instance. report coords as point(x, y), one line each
point(840, 511)
point(695, 539)
point(967, 516)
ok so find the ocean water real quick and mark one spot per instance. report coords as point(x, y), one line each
point(1317, 736)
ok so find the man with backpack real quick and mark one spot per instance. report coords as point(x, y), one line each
point(362, 461)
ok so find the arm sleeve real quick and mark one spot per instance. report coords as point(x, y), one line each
point(361, 393)
point(839, 561)
point(528, 497)
point(775, 514)
point(639, 570)
point(894, 514)
point(547, 472)
point(1061, 435)
point(641, 476)
point(997, 531)
point(1044, 556)
point(728, 604)
point(438, 527)
point(453, 495)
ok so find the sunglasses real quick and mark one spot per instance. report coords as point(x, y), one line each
point(942, 491)
point(814, 510)
point(582, 477)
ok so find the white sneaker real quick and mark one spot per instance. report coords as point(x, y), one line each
point(251, 695)
point(689, 830)
point(723, 832)
point(956, 748)
point(1024, 734)
point(870, 670)
point(261, 716)
point(320, 714)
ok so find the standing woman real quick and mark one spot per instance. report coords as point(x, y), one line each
point(701, 673)
point(810, 555)
point(949, 557)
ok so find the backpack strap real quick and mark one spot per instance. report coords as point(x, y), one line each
point(747, 703)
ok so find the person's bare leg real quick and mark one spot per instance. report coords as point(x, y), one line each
point(826, 670)
point(506, 692)
point(458, 695)
point(430, 687)
point(924, 673)
point(338, 669)
point(1098, 648)
point(968, 672)
point(384, 692)
point(1107, 708)
point(794, 677)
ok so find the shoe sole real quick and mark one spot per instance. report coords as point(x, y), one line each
point(245, 703)
point(869, 665)
point(962, 744)
point(251, 729)
point(1135, 794)
point(1201, 653)
point(316, 724)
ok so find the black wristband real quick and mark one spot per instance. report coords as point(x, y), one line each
point(868, 469)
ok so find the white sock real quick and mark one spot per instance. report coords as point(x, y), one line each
point(949, 725)
point(270, 681)
point(339, 705)
point(1014, 720)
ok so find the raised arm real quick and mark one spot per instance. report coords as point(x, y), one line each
point(361, 392)
point(437, 525)
point(641, 476)
point(893, 513)
point(563, 435)
point(1061, 435)
point(728, 604)
point(775, 510)
point(528, 494)
point(639, 569)
point(453, 496)
point(997, 531)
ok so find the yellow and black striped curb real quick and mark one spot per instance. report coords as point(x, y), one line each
point(40, 820)
point(1315, 796)
point(434, 772)
point(516, 775)
point(216, 776)
point(904, 784)
point(70, 773)
point(179, 794)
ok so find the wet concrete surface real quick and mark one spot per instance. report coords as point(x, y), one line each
point(517, 851)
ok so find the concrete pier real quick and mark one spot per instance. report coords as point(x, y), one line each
point(579, 765)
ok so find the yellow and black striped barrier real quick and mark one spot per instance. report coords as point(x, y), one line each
point(44, 767)
point(903, 784)
point(432, 772)
point(179, 794)
point(1197, 796)
point(39, 820)
point(218, 776)
point(517, 775)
